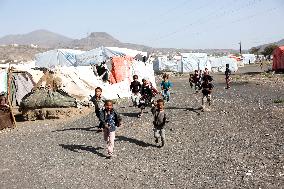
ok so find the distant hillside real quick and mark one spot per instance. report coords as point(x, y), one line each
point(278, 43)
point(97, 39)
point(43, 38)
point(48, 40)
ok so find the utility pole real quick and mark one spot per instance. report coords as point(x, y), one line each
point(240, 47)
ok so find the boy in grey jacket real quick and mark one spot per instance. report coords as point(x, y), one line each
point(159, 122)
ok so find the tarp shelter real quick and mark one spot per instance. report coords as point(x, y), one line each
point(218, 64)
point(96, 56)
point(194, 61)
point(161, 63)
point(21, 84)
point(57, 57)
point(248, 58)
point(128, 52)
point(278, 59)
point(121, 69)
point(3, 80)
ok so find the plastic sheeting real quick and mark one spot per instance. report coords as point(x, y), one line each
point(96, 56)
point(121, 69)
point(194, 61)
point(163, 64)
point(58, 57)
point(143, 70)
point(80, 82)
point(218, 64)
point(3, 81)
point(23, 84)
point(278, 59)
point(248, 58)
point(188, 63)
point(127, 52)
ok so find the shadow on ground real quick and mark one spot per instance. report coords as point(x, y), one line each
point(195, 110)
point(79, 129)
point(134, 141)
point(78, 148)
point(132, 114)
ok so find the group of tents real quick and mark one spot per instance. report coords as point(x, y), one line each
point(78, 71)
point(188, 62)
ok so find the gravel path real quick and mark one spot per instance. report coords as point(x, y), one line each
point(238, 144)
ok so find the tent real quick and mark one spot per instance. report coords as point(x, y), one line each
point(248, 58)
point(278, 59)
point(128, 52)
point(143, 70)
point(21, 84)
point(3, 80)
point(162, 63)
point(194, 61)
point(57, 57)
point(96, 56)
point(121, 69)
point(218, 64)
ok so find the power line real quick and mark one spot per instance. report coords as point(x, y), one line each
point(225, 13)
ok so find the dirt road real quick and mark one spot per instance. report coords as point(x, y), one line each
point(238, 144)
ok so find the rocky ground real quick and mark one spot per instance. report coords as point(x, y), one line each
point(238, 144)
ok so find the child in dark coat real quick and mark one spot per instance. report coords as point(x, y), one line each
point(159, 122)
point(146, 96)
point(98, 102)
point(110, 119)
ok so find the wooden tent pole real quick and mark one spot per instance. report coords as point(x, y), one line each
point(8, 97)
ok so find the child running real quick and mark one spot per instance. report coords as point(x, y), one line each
point(206, 87)
point(99, 102)
point(196, 80)
point(166, 86)
point(110, 119)
point(135, 88)
point(159, 122)
point(146, 96)
point(227, 76)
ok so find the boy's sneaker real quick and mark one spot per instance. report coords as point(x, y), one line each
point(157, 140)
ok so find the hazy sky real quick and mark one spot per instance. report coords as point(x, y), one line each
point(156, 23)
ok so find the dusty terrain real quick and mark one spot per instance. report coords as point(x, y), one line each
point(238, 144)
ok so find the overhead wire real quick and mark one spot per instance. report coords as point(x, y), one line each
point(206, 19)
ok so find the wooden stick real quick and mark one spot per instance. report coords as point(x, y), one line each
point(8, 97)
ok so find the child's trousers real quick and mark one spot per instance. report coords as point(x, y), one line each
point(208, 97)
point(135, 98)
point(159, 133)
point(166, 95)
point(109, 138)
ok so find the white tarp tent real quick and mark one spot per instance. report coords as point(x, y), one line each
point(3, 80)
point(218, 64)
point(96, 56)
point(162, 63)
point(194, 61)
point(143, 70)
point(80, 82)
point(57, 57)
point(128, 52)
point(249, 58)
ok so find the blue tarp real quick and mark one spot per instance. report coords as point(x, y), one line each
point(58, 57)
point(96, 56)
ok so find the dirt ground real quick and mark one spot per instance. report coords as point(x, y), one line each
point(238, 144)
